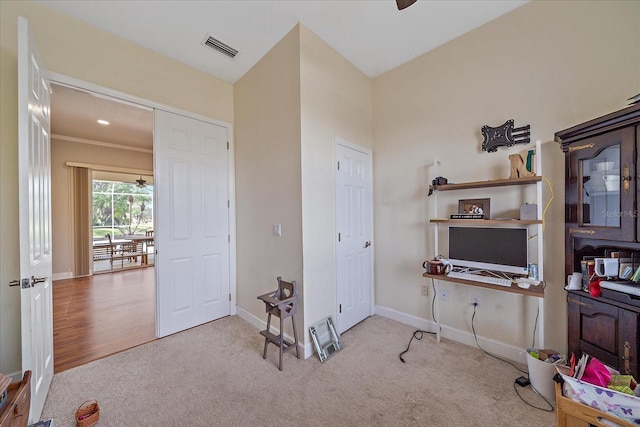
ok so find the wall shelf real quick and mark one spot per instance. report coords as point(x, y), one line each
point(533, 291)
point(489, 183)
point(486, 221)
point(534, 225)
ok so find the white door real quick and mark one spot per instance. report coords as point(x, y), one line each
point(35, 219)
point(354, 250)
point(192, 233)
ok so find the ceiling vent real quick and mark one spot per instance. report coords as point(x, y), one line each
point(218, 46)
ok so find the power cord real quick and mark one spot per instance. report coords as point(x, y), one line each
point(475, 305)
point(550, 409)
point(473, 329)
point(418, 334)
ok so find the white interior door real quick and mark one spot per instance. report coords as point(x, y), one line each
point(354, 249)
point(35, 219)
point(192, 233)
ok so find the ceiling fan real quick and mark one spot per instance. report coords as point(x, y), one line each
point(141, 182)
point(403, 4)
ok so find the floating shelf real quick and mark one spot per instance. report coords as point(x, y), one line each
point(490, 183)
point(533, 291)
point(487, 221)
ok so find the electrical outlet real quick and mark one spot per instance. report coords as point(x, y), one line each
point(425, 290)
point(475, 299)
point(444, 294)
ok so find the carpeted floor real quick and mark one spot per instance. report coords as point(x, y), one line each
point(214, 375)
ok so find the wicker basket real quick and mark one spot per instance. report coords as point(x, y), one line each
point(88, 413)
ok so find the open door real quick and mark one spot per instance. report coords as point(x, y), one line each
point(35, 219)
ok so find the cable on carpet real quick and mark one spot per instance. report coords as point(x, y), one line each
point(419, 331)
point(418, 334)
point(510, 363)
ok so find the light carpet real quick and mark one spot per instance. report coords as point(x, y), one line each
point(214, 375)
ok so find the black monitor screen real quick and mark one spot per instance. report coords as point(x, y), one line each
point(500, 246)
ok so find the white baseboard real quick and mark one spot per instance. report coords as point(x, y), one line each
point(496, 348)
point(15, 376)
point(61, 276)
point(260, 324)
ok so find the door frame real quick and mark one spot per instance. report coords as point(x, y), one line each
point(350, 145)
point(62, 79)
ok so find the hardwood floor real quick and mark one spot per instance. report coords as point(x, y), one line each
point(102, 314)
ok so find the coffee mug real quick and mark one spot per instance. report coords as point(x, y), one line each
point(574, 282)
point(434, 267)
point(606, 267)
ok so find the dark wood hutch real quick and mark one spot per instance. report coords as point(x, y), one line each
point(601, 217)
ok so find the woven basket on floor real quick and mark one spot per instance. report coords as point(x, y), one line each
point(88, 413)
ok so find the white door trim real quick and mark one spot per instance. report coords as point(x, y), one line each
point(85, 85)
point(343, 142)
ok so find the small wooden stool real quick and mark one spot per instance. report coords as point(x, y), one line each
point(281, 303)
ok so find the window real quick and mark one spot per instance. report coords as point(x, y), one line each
point(121, 208)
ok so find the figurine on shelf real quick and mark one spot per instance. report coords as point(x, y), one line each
point(518, 167)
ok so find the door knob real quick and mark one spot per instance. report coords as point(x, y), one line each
point(35, 281)
point(24, 283)
point(367, 244)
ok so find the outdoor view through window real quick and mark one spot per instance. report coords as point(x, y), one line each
point(122, 223)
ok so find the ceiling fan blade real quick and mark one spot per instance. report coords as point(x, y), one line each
point(403, 4)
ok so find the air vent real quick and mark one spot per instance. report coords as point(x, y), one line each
point(218, 46)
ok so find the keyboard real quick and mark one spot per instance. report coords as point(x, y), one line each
point(491, 280)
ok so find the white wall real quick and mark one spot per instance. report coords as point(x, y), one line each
point(547, 64)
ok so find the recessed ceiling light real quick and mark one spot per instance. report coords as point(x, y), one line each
point(103, 122)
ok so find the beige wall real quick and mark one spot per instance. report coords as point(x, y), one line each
point(547, 64)
point(288, 111)
point(336, 101)
point(77, 50)
point(268, 186)
point(66, 151)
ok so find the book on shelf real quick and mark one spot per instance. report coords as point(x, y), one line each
point(466, 216)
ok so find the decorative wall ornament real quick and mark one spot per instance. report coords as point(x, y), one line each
point(504, 136)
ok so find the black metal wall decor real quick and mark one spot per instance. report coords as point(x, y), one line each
point(504, 136)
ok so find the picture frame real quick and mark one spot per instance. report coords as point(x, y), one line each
point(475, 206)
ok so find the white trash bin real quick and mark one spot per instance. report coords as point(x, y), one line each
point(541, 376)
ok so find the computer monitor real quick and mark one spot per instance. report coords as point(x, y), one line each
point(497, 249)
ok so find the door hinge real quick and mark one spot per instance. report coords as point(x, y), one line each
point(338, 164)
point(228, 238)
point(229, 297)
point(228, 204)
point(339, 237)
point(340, 308)
point(227, 145)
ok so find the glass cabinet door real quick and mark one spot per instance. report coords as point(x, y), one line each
point(602, 168)
point(601, 188)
